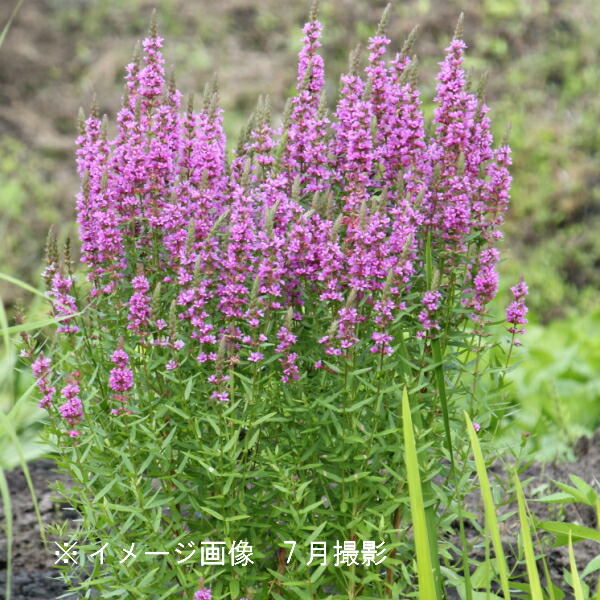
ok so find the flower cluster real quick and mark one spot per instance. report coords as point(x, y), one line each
point(41, 370)
point(326, 215)
point(243, 313)
point(120, 378)
point(72, 410)
point(516, 311)
point(203, 594)
point(431, 302)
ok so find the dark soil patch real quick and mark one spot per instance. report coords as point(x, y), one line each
point(33, 564)
point(538, 482)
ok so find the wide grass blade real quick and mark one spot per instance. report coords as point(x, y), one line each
point(576, 582)
point(490, 510)
point(427, 584)
point(532, 570)
point(39, 324)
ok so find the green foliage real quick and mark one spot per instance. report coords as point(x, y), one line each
point(320, 459)
point(160, 462)
point(556, 195)
point(491, 520)
point(557, 385)
point(428, 569)
point(19, 425)
point(20, 420)
point(514, 565)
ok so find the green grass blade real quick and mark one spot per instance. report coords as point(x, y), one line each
point(9, 22)
point(490, 510)
point(562, 531)
point(577, 589)
point(441, 388)
point(8, 519)
point(9, 377)
point(532, 570)
point(428, 262)
point(427, 584)
point(7, 426)
point(22, 284)
point(39, 324)
point(10, 430)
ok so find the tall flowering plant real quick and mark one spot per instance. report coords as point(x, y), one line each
point(230, 371)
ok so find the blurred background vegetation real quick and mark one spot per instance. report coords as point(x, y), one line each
point(544, 81)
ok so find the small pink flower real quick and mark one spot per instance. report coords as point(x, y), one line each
point(203, 594)
point(220, 396)
point(255, 356)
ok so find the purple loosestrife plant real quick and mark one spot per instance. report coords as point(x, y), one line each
point(244, 326)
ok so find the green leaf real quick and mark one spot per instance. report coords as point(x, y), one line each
point(8, 278)
point(557, 498)
point(311, 507)
point(149, 577)
point(532, 570)
point(490, 510)
point(264, 418)
point(104, 490)
point(577, 589)
point(593, 565)
point(167, 441)
point(484, 573)
point(317, 573)
point(565, 531)
point(179, 412)
point(147, 462)
point(315, 534)
point(212, 512)
point(188, 388)
point(39, 324)
point(236, 518)
point(427, 584)
point(358, 405)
